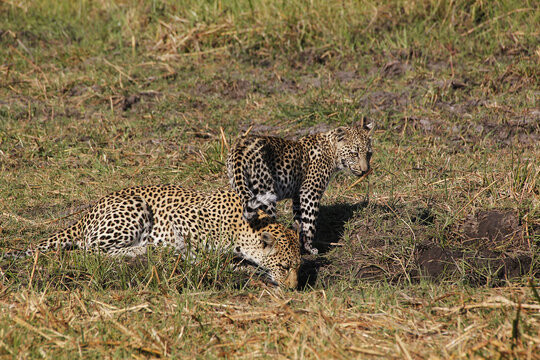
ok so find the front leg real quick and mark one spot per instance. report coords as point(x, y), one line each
point(309, 208)
point(297, 209)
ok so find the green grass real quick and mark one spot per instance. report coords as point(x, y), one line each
point(98, 96)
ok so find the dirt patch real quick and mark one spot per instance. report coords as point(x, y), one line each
point(487, 248)
point(395, 68)
point(516, 129)
point(129, 101)
point(483, 267)
point(345, 76)
point(382, 100)
point(524, 130)
point(488, 229)
point(237, 87)
point(311, 56)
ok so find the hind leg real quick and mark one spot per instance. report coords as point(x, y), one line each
point(265, 202)
point(118, 226)
point(261, 185)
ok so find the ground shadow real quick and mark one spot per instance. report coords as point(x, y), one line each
point(331, 222)
point(330, 229)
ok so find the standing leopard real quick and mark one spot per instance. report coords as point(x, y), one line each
point(265, 169)
point(124, 223)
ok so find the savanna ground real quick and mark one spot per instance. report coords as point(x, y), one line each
point(435, 254)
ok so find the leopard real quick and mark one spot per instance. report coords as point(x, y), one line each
point(266, 169)
point(125, 223)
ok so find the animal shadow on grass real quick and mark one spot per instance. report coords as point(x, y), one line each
point(330, 228)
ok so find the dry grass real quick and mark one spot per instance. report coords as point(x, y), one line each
point(263, 323)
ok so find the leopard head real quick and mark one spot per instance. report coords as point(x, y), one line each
point(353, 147)
point(279, 250)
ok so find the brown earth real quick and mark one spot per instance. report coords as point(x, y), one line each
point(487, 248)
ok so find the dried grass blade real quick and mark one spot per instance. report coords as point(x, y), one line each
point(403, 348)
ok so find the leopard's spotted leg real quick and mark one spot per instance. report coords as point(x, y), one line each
point(118, 224)
point(310, 201)
point(297, 209)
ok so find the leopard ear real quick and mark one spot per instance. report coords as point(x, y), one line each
point(340, 133)
point(268, 241)
point(369, 127)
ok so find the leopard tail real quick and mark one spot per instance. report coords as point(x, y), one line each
point(65, 239)
point(238, 173)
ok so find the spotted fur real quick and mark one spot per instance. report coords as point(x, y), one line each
point(264, 170)
point(126, 222)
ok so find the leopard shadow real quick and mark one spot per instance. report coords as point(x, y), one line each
point(330, 229)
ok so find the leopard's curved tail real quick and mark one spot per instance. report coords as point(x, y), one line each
point(66, 239)
point(239, 173)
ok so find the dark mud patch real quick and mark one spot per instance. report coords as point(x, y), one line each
point(240, 86)
point(488, 229)
point(384, 100)
point(238, 89)
point(395, 68)
point(522, 130)
point(128, 101)
point(487, 248)
point(312, 56)
point(482, 267)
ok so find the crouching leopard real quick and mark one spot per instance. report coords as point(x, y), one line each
point(125, 222)
point(264, 170)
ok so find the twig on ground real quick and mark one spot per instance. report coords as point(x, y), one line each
point(359, 180)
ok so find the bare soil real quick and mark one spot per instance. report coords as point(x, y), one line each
point(488, 248)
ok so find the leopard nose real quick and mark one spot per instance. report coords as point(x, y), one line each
point(364, 165)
